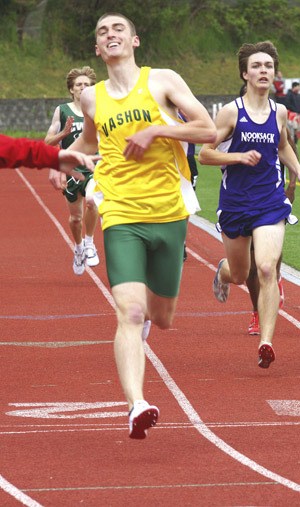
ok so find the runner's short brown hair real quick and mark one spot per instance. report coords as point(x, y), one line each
point(247, 50)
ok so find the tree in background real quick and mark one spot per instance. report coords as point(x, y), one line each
point(167, 27)
point(16, 12)
point(73, 22)
point(278, 20)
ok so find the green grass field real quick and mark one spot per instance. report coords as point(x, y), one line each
point(208, 192)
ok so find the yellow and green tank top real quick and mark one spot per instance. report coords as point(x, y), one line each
point(156, 189)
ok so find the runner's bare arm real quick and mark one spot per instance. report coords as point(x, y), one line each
point(172, 93)
point(225, 123)
point(69, 159)
point(54, 135)
point(87, 142)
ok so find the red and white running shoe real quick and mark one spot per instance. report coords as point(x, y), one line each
point(254, 327)
point(281, 293)
point(142, 416)
point(266, 355)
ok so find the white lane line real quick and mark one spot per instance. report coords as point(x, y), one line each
point(203, 429)
point(54, 317)
point(169, 424)
point(84, 428)
point(17, 494)
point(55, 345)
point(67, 239)
point(171, 385)
point(160, 486)
point(107, 314)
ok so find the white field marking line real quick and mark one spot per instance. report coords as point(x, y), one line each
point(169, 424)
point(84, 428)
point(54, 317)
point(5, 485)
point(169, 382)
point(160, 486)
point(55, 345)
point(202, 428)
point(283, 313)
point(67, 239)
point(17, 494)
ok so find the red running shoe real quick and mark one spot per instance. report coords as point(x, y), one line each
point(266, 355)
point(281, 293)
point(254, 327)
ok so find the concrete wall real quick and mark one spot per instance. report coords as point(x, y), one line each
point(36, 114)
point(27, 114)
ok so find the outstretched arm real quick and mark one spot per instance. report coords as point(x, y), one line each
point(69, 159)
point(27, 152)
point(36, 154)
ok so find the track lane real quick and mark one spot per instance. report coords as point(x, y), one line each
point(179, 351)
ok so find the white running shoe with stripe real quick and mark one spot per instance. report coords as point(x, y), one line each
point(91, 255)
point(79, 262)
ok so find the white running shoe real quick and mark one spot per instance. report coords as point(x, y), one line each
point(221, 290)
point(141, 417)
point(79, 263)
point(146, 330)
point(91, 255)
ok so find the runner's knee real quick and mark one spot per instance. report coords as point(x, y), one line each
point(267, 271)
point(75, 218)
point(90, 203)
point(132, 314)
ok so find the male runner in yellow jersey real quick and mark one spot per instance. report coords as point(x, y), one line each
point(143, 191)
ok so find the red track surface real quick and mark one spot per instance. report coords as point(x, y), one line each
point(228, 434)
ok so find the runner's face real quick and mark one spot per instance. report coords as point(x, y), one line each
point(80, 83)
point(114, 38)
point(260, 71)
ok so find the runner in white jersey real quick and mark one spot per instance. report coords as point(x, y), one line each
point(252, 202)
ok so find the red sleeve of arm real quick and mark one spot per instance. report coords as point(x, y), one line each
point(27, 152)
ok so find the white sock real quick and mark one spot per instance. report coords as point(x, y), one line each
point(79, 248)
point(88, 240)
